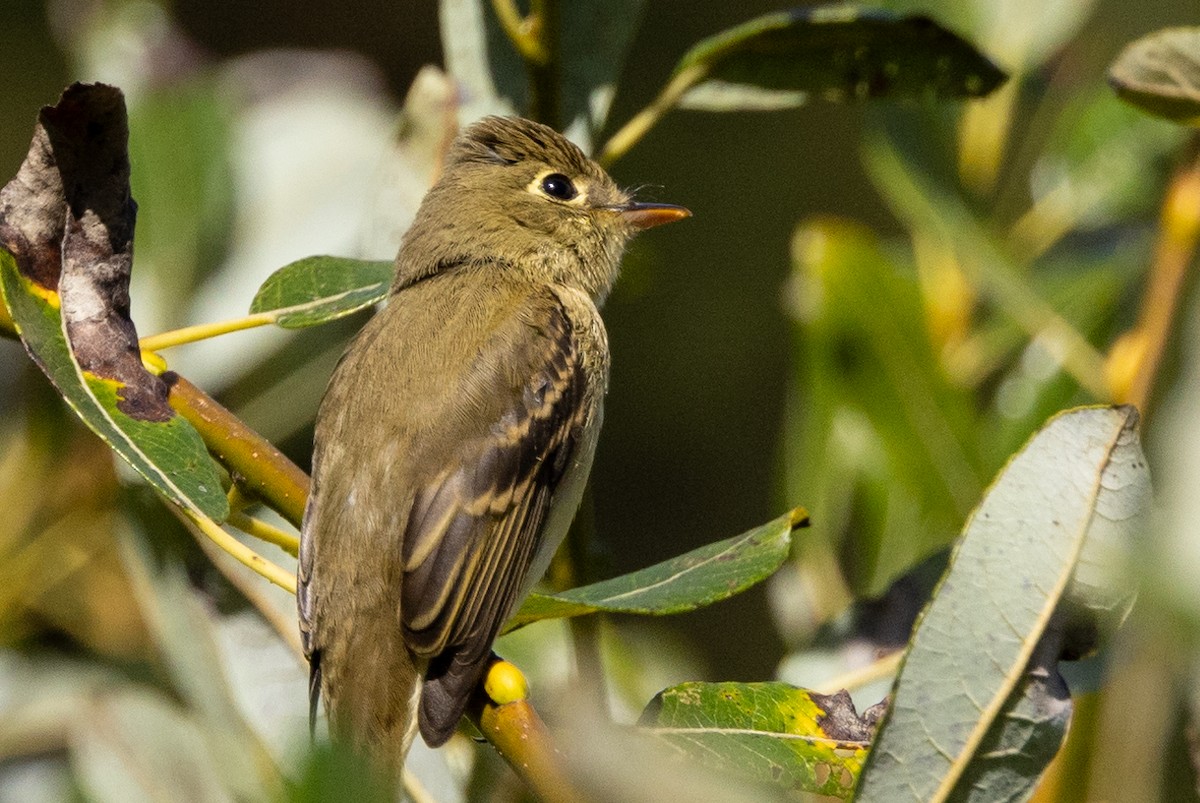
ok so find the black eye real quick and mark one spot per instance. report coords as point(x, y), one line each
point(556, 185)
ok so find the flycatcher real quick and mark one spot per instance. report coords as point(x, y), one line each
point(455, 439)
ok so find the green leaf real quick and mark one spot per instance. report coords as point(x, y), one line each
point(1160, 74)
point(318, 289)
point(1078, 490)
point(179, 149)
point(65, 254)
point(684, 583)
point(835, 52)
point(772, 732)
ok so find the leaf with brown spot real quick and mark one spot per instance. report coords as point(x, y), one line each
point(767, 731)
point(66, 251)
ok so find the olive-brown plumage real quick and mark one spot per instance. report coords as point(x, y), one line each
point(455, 438)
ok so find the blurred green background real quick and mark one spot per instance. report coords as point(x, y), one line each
point(752, 370)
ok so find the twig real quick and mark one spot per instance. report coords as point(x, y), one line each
point(640, 124)
point(519, 31)
point(260, 467)
point(507, 720)
point(201, 525)
point(263, 531)
point(204, 331)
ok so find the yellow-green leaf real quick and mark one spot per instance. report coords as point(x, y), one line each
point(770, 732)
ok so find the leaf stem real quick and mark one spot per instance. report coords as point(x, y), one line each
point(640, 124)
point(264, 531)
point(255, 593)
point(203, 525)
point(519, 30)
point(204, 331)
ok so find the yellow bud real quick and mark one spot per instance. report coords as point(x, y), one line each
point(505, 683)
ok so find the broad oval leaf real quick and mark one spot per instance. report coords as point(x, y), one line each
point(684, 583)
point(66, 229)
point(1160, 74)
point(318, 289)
point(771, 732)
point(1077, 487)
point(835, 52)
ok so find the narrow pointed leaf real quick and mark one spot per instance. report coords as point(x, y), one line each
point(318, 289)
point(771, 732)
point(684, 583)
point(1160, 74)
point(836, 53)
point(66, 228)
point(1078, 491)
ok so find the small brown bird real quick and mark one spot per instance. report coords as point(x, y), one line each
point(457, 433)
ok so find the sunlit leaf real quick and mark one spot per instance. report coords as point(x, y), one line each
point(684, 583)
point(1078, 490)
point(64, 272)
point(317, 289)
point(771, 732)
point(836, 53)
point(1160, 74)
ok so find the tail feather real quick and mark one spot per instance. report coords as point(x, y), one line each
point(314, 691)
point(371, 688)
point(448, 687)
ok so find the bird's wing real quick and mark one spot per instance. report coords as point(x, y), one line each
point(474, 529)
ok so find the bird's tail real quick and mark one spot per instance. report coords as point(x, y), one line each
point(371, 688)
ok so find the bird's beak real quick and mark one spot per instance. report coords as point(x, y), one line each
point(647, 216)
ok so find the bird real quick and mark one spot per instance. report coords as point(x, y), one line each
point(454, 441)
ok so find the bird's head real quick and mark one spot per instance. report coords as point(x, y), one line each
point(519, 195)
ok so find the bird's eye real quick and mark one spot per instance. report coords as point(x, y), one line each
point(556, 185)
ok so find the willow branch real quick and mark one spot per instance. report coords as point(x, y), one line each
point(258, 466)
point(506, 719)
